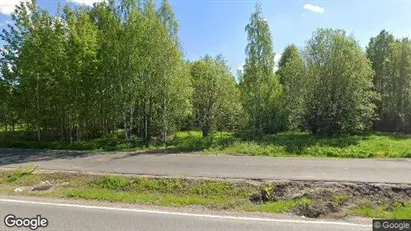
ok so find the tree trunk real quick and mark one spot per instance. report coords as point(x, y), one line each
point(125, 126)
point(148, 124)
point(164, 121)
point(145, 128)
point(130, 124)
point(38, 109)
point(205, 131)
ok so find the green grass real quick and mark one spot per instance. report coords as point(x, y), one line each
point(375, 145)
point(176, 192)
point(18, 174)
point(153, 198)
point(303, 144)
point(18, 127)
point(395, 211)
point(111, 142)
point(340, 199)
point(277, 206)
point(172, 185)
point(372, 145)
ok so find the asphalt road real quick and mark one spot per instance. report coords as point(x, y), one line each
point(195, 165)
point(78, 217)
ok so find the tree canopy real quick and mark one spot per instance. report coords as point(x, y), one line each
point(89, 71)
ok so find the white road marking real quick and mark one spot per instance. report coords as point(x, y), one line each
point(183, 214)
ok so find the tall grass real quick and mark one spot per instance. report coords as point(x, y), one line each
point(372, 145)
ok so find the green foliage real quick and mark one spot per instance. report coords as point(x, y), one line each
point(213, 194)
point(72, 79)
point(86, 71)
point(174, 186)
point(160, 191)
point(396, 109)
point(189, 134)
point(340, 96)
point(340, 199)
point(193, 141)
point(371, 145)
point(216, 97)
point(259, 86)
point(108, 143)
point(381, 145)
point(272, 207)
point(20, 173)
point(291, 70)
point(219, 202)
point(112, 182)
point(393, 211)
point(277, 206)
point(391, 61)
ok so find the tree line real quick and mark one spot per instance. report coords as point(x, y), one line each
point(88, 71)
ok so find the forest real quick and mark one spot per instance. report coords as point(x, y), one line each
point(90, 72)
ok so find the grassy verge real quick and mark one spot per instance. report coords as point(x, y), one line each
point(395, 211)
point(374, 145)
point(113, 142)
point(141, 190)
point(178, 192)
point(278, 206)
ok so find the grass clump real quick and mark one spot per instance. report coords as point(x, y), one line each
point(340, 199)
point(278, 206)
point(393, 211)
point(19, 174)
point(112, 182)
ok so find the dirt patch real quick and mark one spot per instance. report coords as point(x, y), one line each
point(331, 199)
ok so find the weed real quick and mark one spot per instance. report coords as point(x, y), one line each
point(340, 199)
point(112, 182)
point(20, 173)
point(393, 211)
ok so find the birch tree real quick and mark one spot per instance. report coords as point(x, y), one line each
point(260, 86)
